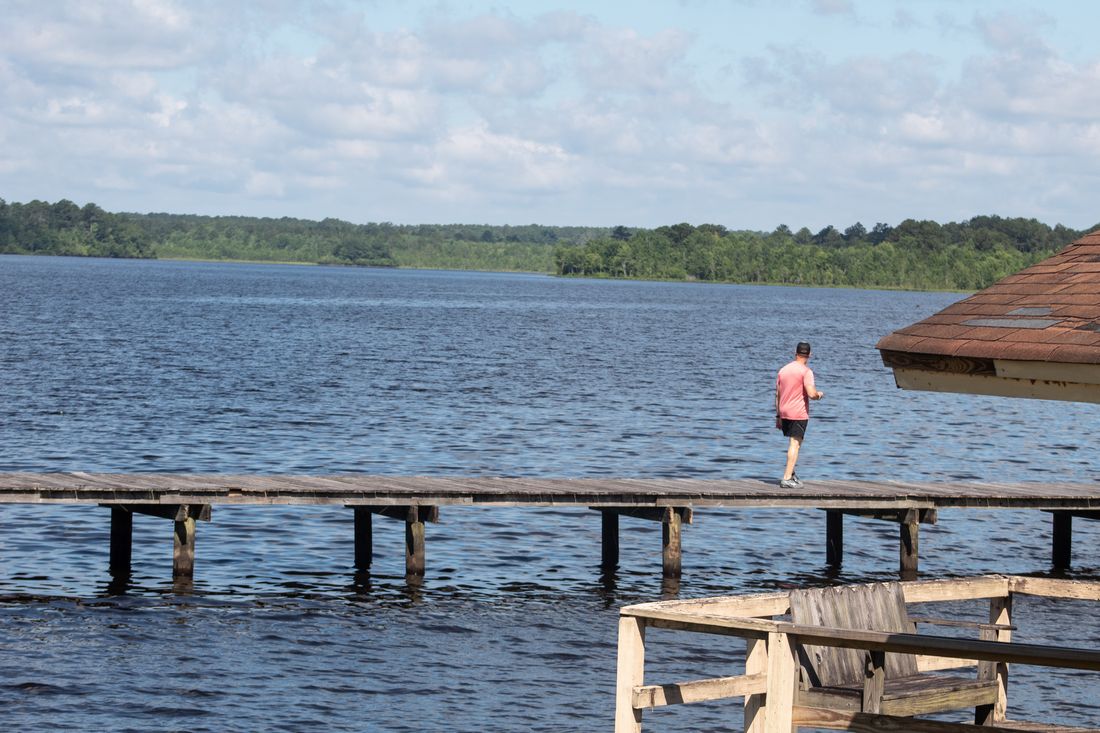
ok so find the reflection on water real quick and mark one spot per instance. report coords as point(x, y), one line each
point(154, 366)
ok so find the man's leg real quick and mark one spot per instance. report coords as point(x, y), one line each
point(792, 456)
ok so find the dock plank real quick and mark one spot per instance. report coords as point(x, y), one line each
point(86, 487)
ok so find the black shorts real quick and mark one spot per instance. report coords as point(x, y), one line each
point(795, 428)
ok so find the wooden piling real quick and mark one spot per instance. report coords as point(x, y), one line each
point(671, 551)
point(910, 535)
point(672, 518)
point(609, 545)
point(1062, 545)
point(364, 538)
point(414, 543)
point(414, 516)
point(183, 518)
point(183, 551)
point(909, 521)
point(122, 541)
point(834, 537)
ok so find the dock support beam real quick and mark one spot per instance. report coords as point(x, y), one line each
point(834, 538)
point(364, 539)
point(1062, 535)
point(183, 549)
point(122, 541)
point(413, 515)
point(671, 518)
point(609, 545)
point(909, 529)
point(1062, 540)
point(414, 543)
point(671, 551)
point(909, 521)
point(183, 517)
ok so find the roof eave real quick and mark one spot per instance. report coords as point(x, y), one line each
point(1069, 381)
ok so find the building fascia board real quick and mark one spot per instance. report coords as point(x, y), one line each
point(985, 384)
point(1048, 370)
point(938, 363)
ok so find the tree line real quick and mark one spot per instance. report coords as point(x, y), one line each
point(921, 255)
point(914, 254)
point(379, 244)
point(63, 228)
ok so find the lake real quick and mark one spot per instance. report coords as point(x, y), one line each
point(139, 366)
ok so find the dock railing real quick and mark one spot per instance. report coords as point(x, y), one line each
point(773, 693)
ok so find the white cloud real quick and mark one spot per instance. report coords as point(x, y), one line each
point(833, 7)
point(113, 181)
point(851, 87)
point(905, 20)
point(621, 60)
point(931, 128)
point(1014, 34)
point(480, 111)
point(79, 36)
point(565, 116)
point(261, 183)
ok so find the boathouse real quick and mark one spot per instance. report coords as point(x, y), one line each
point(1032, 334)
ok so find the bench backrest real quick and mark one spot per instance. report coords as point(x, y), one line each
point(873, 607)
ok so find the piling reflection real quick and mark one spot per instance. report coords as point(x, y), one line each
point(183, 585)
point(119, 584)
point(361, 585)
point(608, 586)
point(670, 588)
point(414, 588)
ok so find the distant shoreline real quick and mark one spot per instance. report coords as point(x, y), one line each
point(900, 289)
point(914, 255)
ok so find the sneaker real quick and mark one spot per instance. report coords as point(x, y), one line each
point(796, 479)
point(789, 483)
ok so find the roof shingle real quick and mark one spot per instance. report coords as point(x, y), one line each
point(1068, 284)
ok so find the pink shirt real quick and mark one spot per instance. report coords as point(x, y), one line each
point(795, 382)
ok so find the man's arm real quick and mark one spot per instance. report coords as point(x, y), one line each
point(811, 388)
point(778, 419)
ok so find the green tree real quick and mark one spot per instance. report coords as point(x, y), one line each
point(855, 233)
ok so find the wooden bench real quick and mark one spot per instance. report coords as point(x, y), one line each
point(853, 680)
point(850, 658)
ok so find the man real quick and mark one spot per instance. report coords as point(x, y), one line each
point(794, 388)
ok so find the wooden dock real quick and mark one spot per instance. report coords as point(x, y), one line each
point(188, 498)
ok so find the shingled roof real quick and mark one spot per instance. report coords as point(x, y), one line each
point(1019, 328)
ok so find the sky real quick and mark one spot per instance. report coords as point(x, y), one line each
point(744, 113)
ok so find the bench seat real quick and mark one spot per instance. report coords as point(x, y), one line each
point(906, 696)
point(1043, 727)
